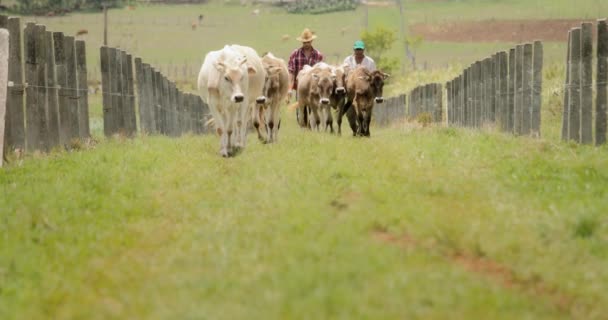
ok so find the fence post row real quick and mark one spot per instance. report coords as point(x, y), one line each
point(42, 107)
point(503, 90)
point(577, 122)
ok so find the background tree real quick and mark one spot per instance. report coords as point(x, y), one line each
point(377, 42)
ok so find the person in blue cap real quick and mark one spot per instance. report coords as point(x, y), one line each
point(358, 58)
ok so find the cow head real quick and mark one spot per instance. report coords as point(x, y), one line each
point(340, 83)
point(377, 84)
point(233, 77)
point(323, 85)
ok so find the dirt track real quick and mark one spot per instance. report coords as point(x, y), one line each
point(495, 30)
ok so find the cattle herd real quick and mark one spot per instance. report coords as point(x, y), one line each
point(239, 85)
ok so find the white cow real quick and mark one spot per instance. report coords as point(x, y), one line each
point(230, 82)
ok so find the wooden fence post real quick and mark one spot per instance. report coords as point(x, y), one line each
point(124, 93)
point(158, 111)
point(148, 93)
point(130, 95)
point(141, 99)
point(511, 93)
point(32, 114)
point(494, 92)
point(83, 90)
point(62, 93)
point(468, 98)
point(166, 109)
point(566, 109)
point(503, 104)
point(478, 93)
point(52, 92)
point(117, 96)
point(439, 102)
point(72, 87)
point(4, 50)
point(15, 118)
point(527, 74)
point(601, 80)
point(104, 54)
point(537, 88)
point(519, 88)
point(574, 96)
point(450, 105)
point(586, 84)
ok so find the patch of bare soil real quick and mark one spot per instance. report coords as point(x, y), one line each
point(487, 268)
point(496, 30)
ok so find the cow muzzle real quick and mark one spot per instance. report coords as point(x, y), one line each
point(340, 90)
point(324, 101)
point(238, 98)
point(379, 99)
point(260, 99)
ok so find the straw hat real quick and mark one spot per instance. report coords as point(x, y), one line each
point(306, 36)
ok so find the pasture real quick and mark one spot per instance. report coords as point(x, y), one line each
point(414, 223)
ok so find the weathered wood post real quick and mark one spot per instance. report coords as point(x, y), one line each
point(586, 84)
point(439, 102)
point(104, 57)
point(124, 93)
point(83, 90)
point(116, 92)
point(503, 75)
point(141, 99)
point(527, 90)
point(72, 87)
point(4, 50)
point(52, 90)
point(158, 92)
point(478, 93)
point(450, 106)
point(165, 109)
point(519, 91)
point(130, 95)
point(148, 92)
point(566, 109)
point(574, 96)
point(63, 93)
point(511, 93)
point(33, 116)
point(537, 88)
point(601, 80)
point(495, 86)
point(467, 97)
point(14, 130)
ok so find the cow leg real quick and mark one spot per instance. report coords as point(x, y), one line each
point(275, 120)
point(351, 116)
point(329, 121)
point(230, 129)
point(257, 110)
point(341, 111)
point(220, 123)
point(315, 120)
point(360, 121)
point(241, 124)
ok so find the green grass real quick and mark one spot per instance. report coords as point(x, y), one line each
point(159, 228)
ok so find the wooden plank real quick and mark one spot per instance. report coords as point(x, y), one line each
point(448, 87)
point(494, 85)
point(511, 93)
point(108, 120)
point(537, 88)
point(165, 106)
point(574, 96)
point(527, 73)
point(4, 50)
point(158, 82)
point(467, 97)
point(148, 94)
point(15, 117)
point(116, 91)
point(52, 112)
point(32, 114)
point(62, 93)
point(601, 82)
point(130, 94)
point(83, 90)
point(518, 112)
point(566, 109)
point(141, 98)
point(503, 91)
point(586, 84)
point(72, 87)
point(478, 94)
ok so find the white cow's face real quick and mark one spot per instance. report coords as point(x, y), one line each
point(234, 78)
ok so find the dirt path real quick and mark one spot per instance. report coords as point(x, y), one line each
point(496, 30)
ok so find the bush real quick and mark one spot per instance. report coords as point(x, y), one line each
point(321, 6)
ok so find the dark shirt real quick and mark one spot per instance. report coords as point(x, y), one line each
point(297, 61)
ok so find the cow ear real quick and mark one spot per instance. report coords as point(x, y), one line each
point(386, 75)
point(219, 65)
point(251, 70)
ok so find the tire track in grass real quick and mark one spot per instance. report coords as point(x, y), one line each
point(489, 269)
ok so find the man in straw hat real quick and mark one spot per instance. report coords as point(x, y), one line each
point(305, 55)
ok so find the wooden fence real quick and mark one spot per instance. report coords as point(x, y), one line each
point(162, 108)
point(577, 122)
point(392, 109)
point(503, 90)
point(426, 99)
point(53, 88)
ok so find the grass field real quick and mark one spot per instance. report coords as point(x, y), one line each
point(413, 223)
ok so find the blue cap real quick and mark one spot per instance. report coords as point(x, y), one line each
point(359, 45)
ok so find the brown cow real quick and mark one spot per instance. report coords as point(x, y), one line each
point(364, 88)
point(315, 85)
point(275, 90)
